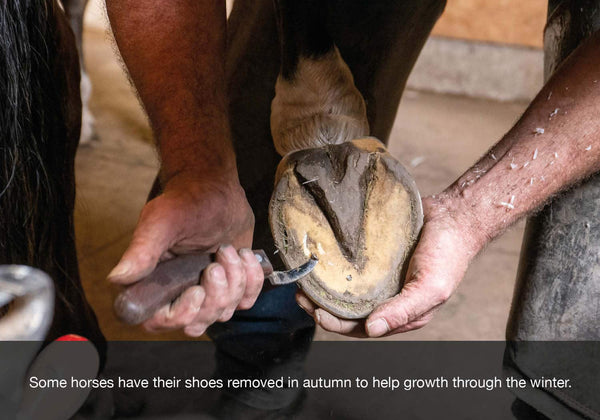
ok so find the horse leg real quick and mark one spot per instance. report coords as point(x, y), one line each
point(378, 42)
point(318, 104)
point(276, 328)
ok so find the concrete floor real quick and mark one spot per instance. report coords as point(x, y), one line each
point(445, 133)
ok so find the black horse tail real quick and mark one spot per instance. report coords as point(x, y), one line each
point(32, 119)
point(40, 114)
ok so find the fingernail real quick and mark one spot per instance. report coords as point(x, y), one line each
point(318, 316)
point(218, 274)
point(230, 253)
point(122, 269)
point(377, 328)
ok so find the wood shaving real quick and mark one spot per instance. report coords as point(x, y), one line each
point(310, 180)
point(320, 249)
point(305, 245)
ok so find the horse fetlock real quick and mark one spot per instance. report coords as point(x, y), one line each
point(320, 105)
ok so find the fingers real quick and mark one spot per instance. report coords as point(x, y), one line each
point(305, 303)
point(194, 316)
point(233, 281)
point(435, 270)
point(151, 239)
point(412, 308)
point(178, 314)
point(254, 279)
point(217, 299)
point(328, 321)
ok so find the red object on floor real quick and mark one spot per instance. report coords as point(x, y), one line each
point(71, 337)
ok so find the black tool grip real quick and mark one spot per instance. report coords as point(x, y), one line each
point(138, 302)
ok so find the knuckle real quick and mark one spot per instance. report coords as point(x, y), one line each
point(440, 292)
point(215, 278)
point(234, 267)
point(241, 280)
point(145, 258)
point(222, 301)
point(254, 282)
point(164, 319)
point(258, 275)
point(188, 316)
point(247, 302)
point(226, 315)
point(397, 317)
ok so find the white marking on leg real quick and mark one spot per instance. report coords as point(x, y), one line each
point(320, 106)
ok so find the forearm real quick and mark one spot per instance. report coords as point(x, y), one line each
point(555, 144)
point(174, 52)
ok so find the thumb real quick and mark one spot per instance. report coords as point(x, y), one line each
point(151, 239)
point(425, 289)
point(399, 311)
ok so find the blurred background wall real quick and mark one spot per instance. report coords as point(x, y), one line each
point(516, 22)
point(485, 49)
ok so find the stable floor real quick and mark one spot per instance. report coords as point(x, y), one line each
point(435, 137)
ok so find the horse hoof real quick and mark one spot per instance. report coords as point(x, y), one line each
point(359, 211)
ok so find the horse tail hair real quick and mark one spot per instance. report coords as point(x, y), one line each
point(33, 128)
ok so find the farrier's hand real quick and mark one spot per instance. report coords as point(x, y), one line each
point(437, 266)
point(197, 215)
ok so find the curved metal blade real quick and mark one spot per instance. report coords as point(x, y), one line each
point(278, 278)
